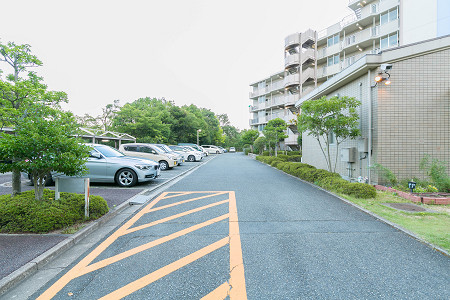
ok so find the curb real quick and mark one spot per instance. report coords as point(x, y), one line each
point(396, 226)
point(9, 281)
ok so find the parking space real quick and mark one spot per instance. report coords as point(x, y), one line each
point(112, 193)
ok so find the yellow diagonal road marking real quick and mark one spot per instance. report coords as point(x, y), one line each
point(152, 277)
point(137, 228)
point(149, 245)
point(221, 292)
point(235, 288)
point(185, 201)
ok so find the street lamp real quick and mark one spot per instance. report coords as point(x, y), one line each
point(198, 130)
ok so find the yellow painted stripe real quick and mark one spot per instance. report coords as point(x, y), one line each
point(77, 269)
point(152, 277)
point(160, 221)
point(123, 255)
point(237, 276)
point(185, 201)
point(220, 292)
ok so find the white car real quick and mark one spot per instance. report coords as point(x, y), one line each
point(188, 154)
point(211, 149)
point(232, 149)
point(166, 161)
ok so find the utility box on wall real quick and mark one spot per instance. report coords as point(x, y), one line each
point(348, 154)
point(363, 146)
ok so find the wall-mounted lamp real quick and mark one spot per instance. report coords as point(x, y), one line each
point(383, 76)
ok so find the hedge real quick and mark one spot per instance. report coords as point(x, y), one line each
point(323, 178)
point(23, 213)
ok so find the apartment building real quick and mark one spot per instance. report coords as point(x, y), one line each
point(313, 57)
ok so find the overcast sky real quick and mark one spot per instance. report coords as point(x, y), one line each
point(202, 52)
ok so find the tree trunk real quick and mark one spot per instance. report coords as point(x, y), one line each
point(16, 182)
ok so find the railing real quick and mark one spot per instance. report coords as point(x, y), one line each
point(292, 39)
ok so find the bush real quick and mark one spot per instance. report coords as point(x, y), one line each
point(265, 153)
point(334, 184)
point(292, 153)
point(437, 171)
point(360, 190)
point(24, 214)
point(246, 151)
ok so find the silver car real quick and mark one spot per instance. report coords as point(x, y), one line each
point(106, 164)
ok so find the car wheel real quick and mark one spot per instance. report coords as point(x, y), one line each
point(163, 165)
point(191, 158)
point(126, 178)
point(217, 152)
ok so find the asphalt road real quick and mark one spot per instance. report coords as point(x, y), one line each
point(240, 228)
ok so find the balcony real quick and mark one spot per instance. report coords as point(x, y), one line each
point(291, 80)
point(308, 74)
point(390, 27)
point(308, 57)
point(292, 61)
point(291, 99)
point(291, 140)
point(308, 38)
point(292, 40)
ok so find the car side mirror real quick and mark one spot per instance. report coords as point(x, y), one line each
point(96, 155)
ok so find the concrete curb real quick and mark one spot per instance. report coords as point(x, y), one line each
point(9, 281)
point(396, 226)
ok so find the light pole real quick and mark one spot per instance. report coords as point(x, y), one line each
point(198, 130)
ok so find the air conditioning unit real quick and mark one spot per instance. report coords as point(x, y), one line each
point(349, 154)
point(363, 145)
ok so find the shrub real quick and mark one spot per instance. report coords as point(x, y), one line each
point(24, 214)
point(334, 184)
point(437, 171)
point(283, 157)
point(246, 151)
point(386, 174)
point(295, 158)
point(265, 153)
point(360, 190)
point(291, 153)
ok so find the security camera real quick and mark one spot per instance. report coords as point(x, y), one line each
point(386, 67)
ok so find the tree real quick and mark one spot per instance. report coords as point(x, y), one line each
point(259, 144)
point(223, 119)
point(249, 137)
point(275, 132)
point(327, 118)
point(43, 143)
point(17, 94)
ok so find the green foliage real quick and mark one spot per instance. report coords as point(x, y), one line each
point(323, 178)
point(323, 117)
point(23, 213)
point(386, 174)
point(259, 144)
point(437, 171)
point(293, 153)
point(43, 143)
point(274, 132)
point(266, 153)
point(249, 136)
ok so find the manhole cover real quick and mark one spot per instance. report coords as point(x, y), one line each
point(406, 207)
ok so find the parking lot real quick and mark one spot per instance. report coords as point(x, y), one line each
point(112, 193)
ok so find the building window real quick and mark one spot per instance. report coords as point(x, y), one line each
point(393, 15)
point(390, 40)
point(393, 40)
point(331, 138)
point(374, 8)
point(332, 60)
point(384, 18)
point(333, 40)
point(384, 42)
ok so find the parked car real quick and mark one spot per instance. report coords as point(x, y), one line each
point(232, 149)
point(204, 151)
point(142, 150)
point(211, 149)
point(195, 146)
point(223, 149)
point(170, 151)
point(106, 164)
point(189, 154)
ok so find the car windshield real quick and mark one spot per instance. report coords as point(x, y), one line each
point(177, 148)
point(108, 151)
point(166, 149)
point(159, 149)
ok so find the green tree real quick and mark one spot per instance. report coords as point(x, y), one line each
point(43, 143)
point(325, 119)
point(232, 136)
point(259, 144)
point(249, 137)
point(275, 132)
point(17, 94)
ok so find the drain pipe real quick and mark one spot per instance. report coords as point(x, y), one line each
point(369, 142)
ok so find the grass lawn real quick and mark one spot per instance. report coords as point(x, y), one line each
point(431, 227)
